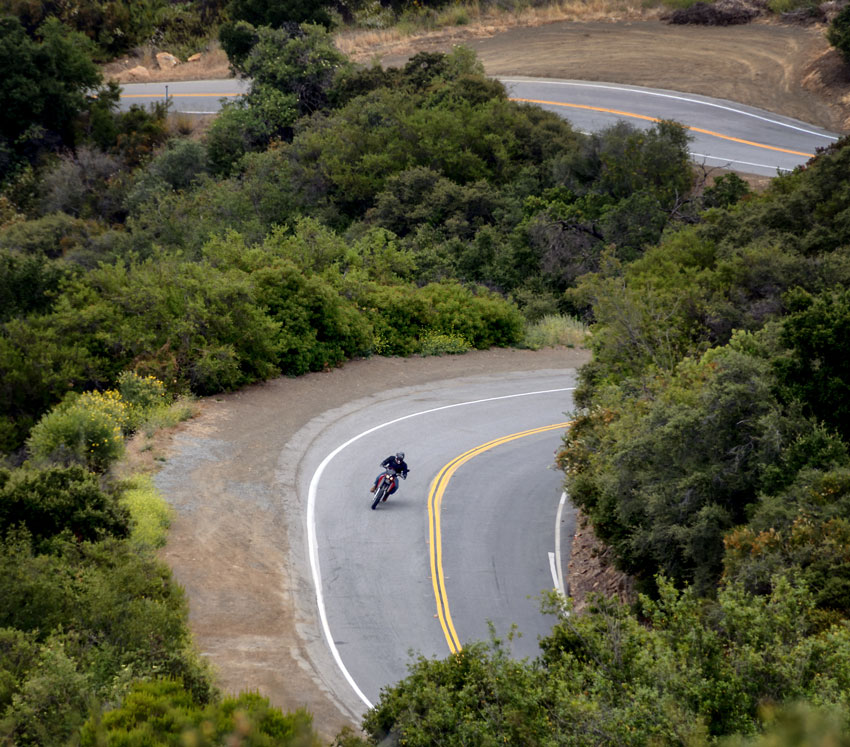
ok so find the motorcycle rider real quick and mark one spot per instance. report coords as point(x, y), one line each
point(394, 462)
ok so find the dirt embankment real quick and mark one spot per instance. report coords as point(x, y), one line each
point(784, 68)
point(781, 67)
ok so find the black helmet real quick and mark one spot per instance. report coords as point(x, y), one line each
point(399, 455)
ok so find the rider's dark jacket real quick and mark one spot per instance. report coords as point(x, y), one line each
point(393, 462)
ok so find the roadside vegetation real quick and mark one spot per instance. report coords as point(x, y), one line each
point(339, 211)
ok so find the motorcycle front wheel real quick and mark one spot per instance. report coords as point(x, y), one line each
point(379, 493)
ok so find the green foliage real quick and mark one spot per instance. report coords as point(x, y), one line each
point(51, 703)
point(685, 672)
point(318, 328)
point(43, 83)
point(440, 343)
point(815, 369)
point(49, 502)
point(292, 71)
point(27, 283)
point(665, 476)
point(150, 515)
point(86, 184)
point(163, 712)
point(50, 236)
point(86, 429)
point(143, 396)
point(111, 614)
point(119, 25)
point(726, 191)
point(799, 724)
point(838, 33)
point(180, 165)
point(278, 14)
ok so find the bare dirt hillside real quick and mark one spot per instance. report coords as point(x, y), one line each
point(786, 69)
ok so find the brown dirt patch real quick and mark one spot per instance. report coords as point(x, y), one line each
point(591, 569)
point(212, 65)
point(763, 64)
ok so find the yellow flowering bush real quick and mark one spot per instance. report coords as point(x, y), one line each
point(83, 429)
point(142, 395)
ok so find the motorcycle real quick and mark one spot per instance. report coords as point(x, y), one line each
point(386, 482)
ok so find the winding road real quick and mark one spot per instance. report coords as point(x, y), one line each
point(468, 540)
point(472, 538)
point(725, 134)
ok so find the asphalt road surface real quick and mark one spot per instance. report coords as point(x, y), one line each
point(725, 134)
point(474, 536)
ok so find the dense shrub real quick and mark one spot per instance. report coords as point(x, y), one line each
point(43, 85)
point(56, 500)
point(163, 712)
point(838, 33)
point(685, 671)
point(27, 283)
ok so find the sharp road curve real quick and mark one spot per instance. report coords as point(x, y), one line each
point(725, 134)
point(469, 539)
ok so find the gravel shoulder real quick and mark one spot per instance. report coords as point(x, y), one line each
point(237, 542)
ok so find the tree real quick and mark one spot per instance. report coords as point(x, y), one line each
point(816, 369)
point(278, 14)
point(838, 33)
point(43, 86)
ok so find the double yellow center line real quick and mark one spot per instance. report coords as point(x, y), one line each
point(435, 500)
point(656, 119)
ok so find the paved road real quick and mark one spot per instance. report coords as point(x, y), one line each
point(725, 134)
point(429, 569)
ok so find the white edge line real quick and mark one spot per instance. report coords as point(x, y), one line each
point(553, 571)
point(667, 96)
point(743, 163)
point(559, 579)
point(312, 542)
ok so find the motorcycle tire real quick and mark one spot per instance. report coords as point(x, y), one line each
point(379, 493)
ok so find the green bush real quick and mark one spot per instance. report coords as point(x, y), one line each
point(52, 702)
point(554, 330)
point(142, 395)
point(838, 33)
point(85, 429)
point(52, 501)
point(163, 712)
point(44, 86)
point(440, 343)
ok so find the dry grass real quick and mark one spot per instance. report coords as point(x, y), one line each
point(555, 330)
point(363, 45)
point(454, 25)
point(192, 126)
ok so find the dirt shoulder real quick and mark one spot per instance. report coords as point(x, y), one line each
point(237, 543)
point(783, 68)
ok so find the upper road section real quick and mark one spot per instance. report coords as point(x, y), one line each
point(725, 134)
